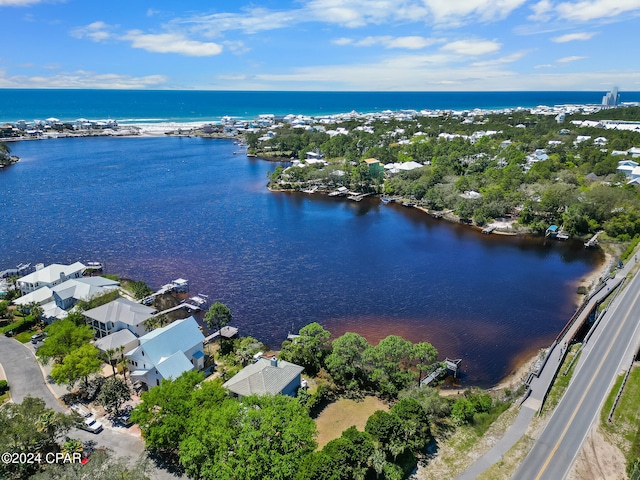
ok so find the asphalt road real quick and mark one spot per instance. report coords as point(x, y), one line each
point(555, 451)
point(25, 378)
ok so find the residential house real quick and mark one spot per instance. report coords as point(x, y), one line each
point(375, 167)
point(49, 276)
point(626, 167)
point(267, 376)
point(120, 314)
point(66, 294)
point(122, 341)
point(167, 352)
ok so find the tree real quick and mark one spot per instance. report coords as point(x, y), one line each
point(423, 354)
point(102, 465)
point(163, 411)
point(390, 361)
point(114, 393)
point(107, 356)
point(309, 349)
point(218, 316)
point(345, 363)
point(77, 365)
point(63, 337)
point(30, 427)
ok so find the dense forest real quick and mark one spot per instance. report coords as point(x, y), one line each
point(534, 168)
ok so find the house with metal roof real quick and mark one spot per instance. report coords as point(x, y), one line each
point(167, 352)
point(66, 294)
point(122, 339)
point(49, 276)
point(267, 376)
point(120, 314)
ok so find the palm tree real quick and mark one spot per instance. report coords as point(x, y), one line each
point(107, 355)
point(378, 460)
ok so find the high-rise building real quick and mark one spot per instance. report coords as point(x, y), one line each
point(612, 98)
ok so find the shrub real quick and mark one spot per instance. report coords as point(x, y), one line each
point(4, 387)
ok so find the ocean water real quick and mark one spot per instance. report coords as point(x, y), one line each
point(161, 208)
point(187, 106)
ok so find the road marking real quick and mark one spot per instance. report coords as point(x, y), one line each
point(586, 391)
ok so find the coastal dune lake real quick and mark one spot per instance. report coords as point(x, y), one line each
point(157, 209)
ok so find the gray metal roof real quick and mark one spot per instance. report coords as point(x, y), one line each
point(263, 378)
point(115, 340)
point(121, 310)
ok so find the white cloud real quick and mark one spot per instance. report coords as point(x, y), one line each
point(18, 3)
point(387, 41)
point(544, 65)
point(514, 57)
point(158, 43)
point(83, 79)
point(236, 46)
point(171, 43)
point(96, 31)
point(542, 11)
point(570, 37)
point(460, 11)
point(572, 58)
point(586, 10)
point(342, 41)
point(472, 47)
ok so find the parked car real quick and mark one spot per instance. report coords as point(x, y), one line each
point(90, 424)
point(38, 337)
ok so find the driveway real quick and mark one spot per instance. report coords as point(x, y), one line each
point(26, 378)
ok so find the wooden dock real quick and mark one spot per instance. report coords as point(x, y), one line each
point(447, 366)
point(225, 332)
point(593, 241)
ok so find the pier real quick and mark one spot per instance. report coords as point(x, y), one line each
point(447, 366)
point(224, 332)
point(356, 197)
point(593, 241)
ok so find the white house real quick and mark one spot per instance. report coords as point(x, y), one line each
point(68, 293)
point(267, 376)
point(120, 314)
point(167, 352)
point(626, 167)
point(49, 276)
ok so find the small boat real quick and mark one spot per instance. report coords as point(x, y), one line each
point(386, 200)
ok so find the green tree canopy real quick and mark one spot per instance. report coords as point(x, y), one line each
point(63, 337)
point(30, 427)
point(346, 361)
point(309, 349)
point(77, 365)
point(114, 393)
point(218, 316)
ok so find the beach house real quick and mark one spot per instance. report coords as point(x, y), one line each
point(267, 376)
point(49, 276)
point(120, 314)
point(167, 352)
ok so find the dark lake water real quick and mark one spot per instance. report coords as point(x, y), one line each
point(161, 208)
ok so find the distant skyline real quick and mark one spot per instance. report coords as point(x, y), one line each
point(322, 45)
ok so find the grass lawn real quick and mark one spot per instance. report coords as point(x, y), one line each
point(24, 337)
point(561, 382)
point(336, 417)
point(626, 418)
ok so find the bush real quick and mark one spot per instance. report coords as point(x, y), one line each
point(21, 325)
point(4, 387)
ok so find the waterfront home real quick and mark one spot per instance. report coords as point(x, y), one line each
point(68, 293)
point(267, 376)
point(122, 341)
point(167, 352)
point(49, 276)
point(375, 167)
point(120, 314)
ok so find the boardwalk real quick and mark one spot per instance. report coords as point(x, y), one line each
point(539, 385)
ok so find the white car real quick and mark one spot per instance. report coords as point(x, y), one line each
point(90, 424)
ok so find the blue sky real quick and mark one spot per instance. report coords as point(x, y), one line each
point(377, 45)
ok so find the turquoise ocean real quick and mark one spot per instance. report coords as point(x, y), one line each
point(192, 106)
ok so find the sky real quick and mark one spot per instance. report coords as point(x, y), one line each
point(321, 45)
